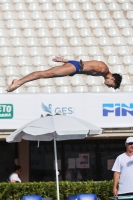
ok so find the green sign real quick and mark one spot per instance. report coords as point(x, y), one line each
point(6, 111)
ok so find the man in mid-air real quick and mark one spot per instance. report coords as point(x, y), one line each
point(70, 68)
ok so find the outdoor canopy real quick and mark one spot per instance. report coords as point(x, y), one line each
point(57, 127)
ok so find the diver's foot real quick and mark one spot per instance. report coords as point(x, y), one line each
point(58, 59)
point(14, 85)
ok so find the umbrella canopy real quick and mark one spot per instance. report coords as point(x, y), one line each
point(57, 127)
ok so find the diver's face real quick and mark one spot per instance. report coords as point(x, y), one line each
point(110, 82)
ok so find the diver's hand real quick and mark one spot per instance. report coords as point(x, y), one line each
point(60, 59)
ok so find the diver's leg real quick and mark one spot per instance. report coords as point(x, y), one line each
point(59, 71)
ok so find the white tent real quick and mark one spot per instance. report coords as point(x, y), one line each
point(55, 128)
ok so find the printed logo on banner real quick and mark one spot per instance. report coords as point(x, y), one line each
point(62, 110)
point(6, 111)
point(118, 109)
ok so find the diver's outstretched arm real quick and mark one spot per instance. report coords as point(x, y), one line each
point(60, 59)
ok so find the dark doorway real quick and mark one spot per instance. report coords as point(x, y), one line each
point(100, 156)
point(8, 153)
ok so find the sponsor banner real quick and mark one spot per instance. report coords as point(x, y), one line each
point(6, 111)
point(105, 110)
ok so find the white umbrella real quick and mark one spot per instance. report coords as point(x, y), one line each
point(57, 127)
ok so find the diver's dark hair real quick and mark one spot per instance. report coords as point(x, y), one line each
point(16, 167)
point(118, 79)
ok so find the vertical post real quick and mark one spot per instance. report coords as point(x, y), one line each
point(56, 170)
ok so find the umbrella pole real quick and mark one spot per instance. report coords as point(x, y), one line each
point(56, 169)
